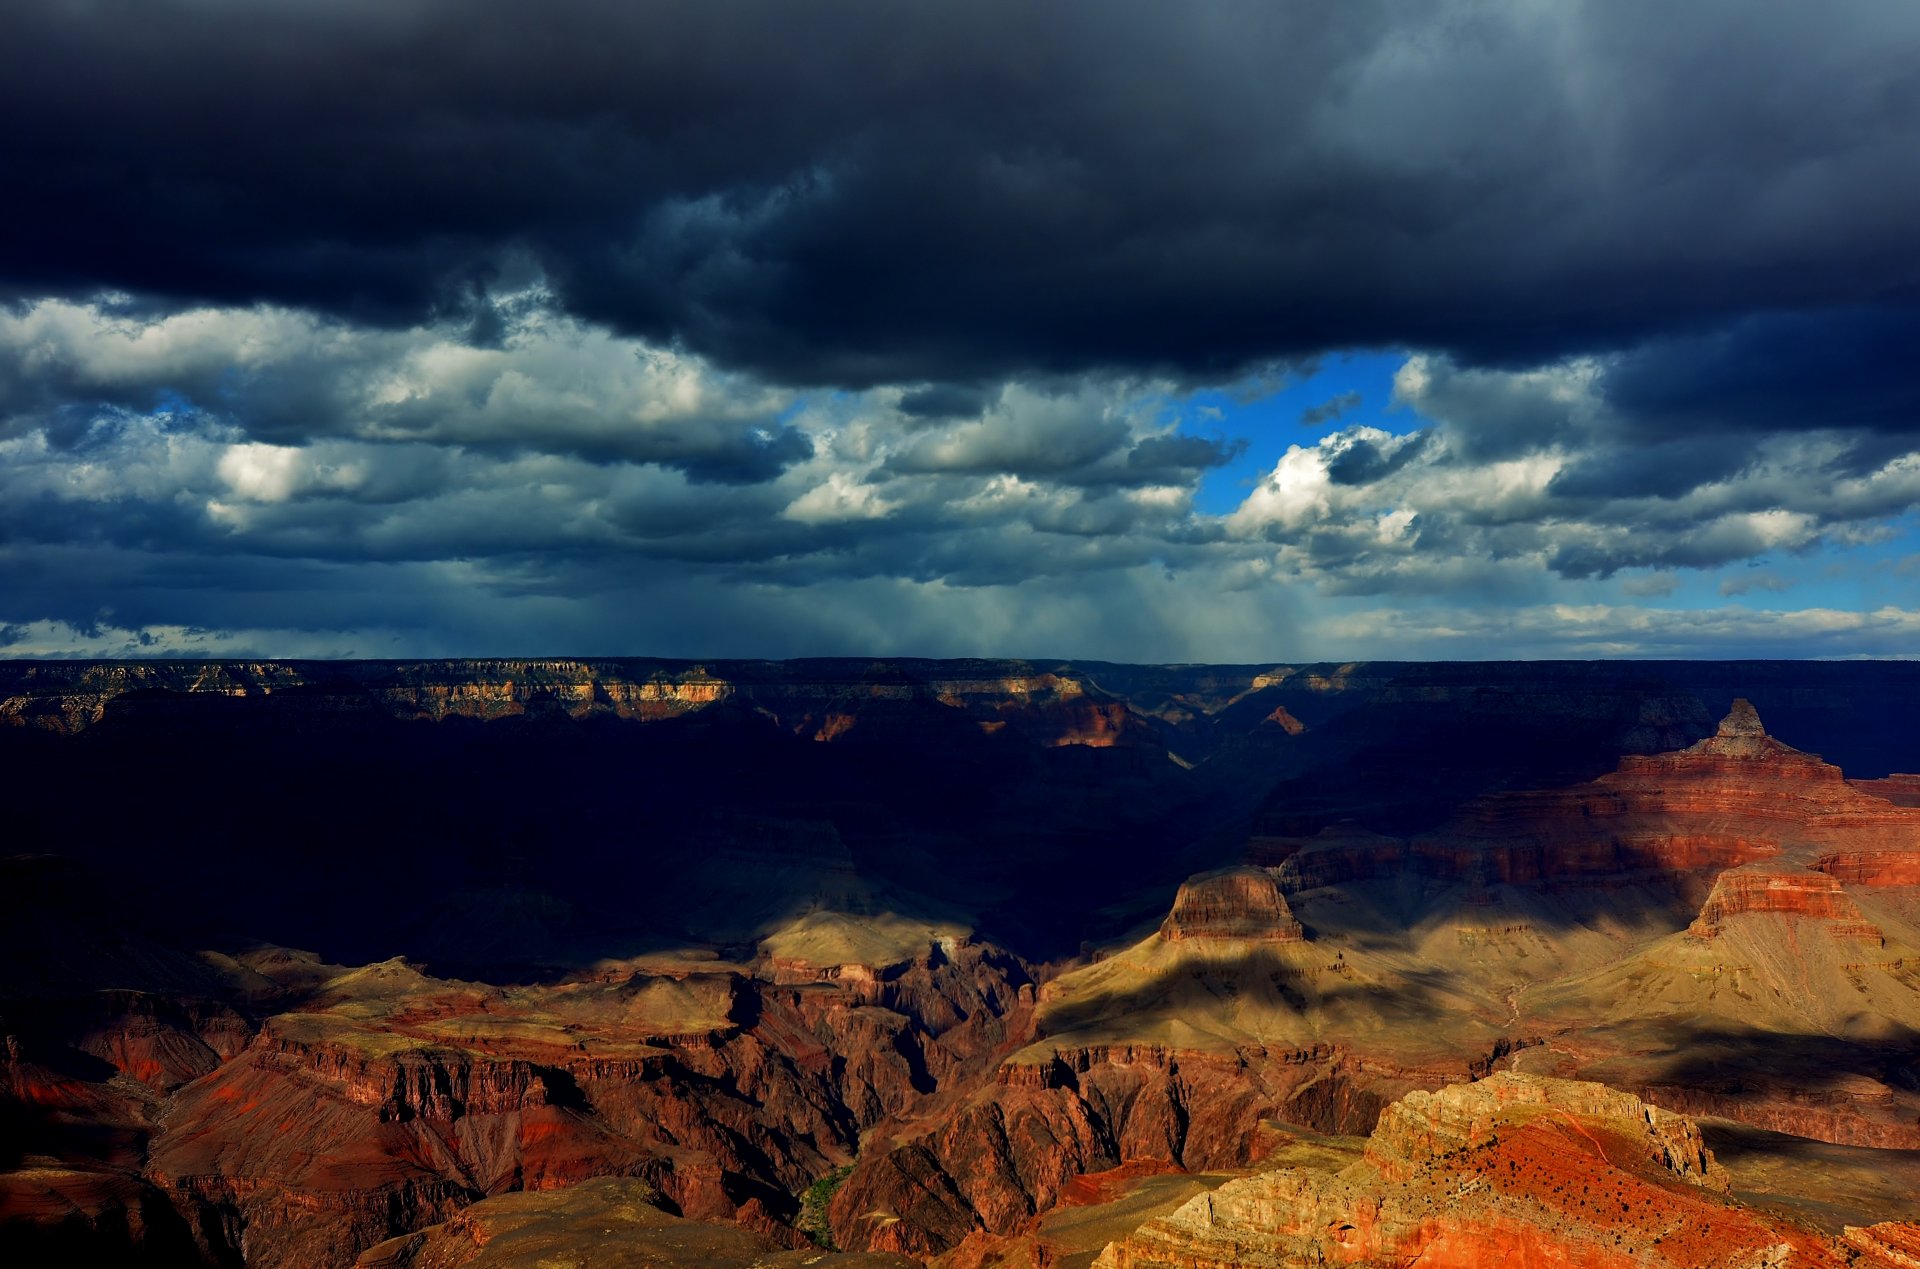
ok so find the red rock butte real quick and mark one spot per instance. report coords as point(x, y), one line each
point(1235, 903)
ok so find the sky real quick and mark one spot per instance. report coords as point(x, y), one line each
point(1248, 332)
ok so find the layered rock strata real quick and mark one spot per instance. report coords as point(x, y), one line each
point(1238, 903)
point(1793, 892)
point(395, 1100)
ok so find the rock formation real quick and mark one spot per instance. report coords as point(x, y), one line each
point(1737, 797)
point(393, 1099)
point(1513, 1170)
point(1014, 1149)
point(1168, 1054)
point(1902, 789)
point(987, 937)
point(610, 1223)
point(1238, 903)
point(1795, 892)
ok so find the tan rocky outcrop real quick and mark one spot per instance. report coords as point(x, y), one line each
point(1894, 1243)
point(1424, 1126)
point(1514, 1170)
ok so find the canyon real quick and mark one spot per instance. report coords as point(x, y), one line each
point(959, 963)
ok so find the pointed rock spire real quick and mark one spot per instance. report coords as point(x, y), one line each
point(1742, 720)
point(1741, 735)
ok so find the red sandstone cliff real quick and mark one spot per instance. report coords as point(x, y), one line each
point(1794, 892)
point(1736, 797)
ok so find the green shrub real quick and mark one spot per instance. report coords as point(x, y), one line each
point(813, 1207)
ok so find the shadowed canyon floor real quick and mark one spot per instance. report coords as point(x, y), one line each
point(969, 963)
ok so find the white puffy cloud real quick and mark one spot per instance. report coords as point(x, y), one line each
point(841, 497)
point(260, 472)
point(282, 377)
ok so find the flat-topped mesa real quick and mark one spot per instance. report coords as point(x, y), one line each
point(1235, 903)
point(1899, 788)
point(1783, 891)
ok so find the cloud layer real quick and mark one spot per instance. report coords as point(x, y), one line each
point(764, 329)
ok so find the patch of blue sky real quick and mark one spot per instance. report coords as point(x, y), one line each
point(174, 402)
point(1882, 572)
point(1860, 576)
point(1342, 390)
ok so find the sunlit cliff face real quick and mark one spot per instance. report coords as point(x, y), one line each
point(1051, 708)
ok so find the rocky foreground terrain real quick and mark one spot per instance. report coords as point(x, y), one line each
point(1511, 1170)
point(981, 963)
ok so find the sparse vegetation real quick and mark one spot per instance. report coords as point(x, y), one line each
point(813, 1207)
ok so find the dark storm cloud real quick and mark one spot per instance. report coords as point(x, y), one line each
point(1657, 470)
point(744, 459)
point(944, 401)
point(410, 319)
point(1159, 456)
point(1362, 461)
point(1330, 410)
point(871, 191)
point(1851, 368)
